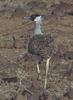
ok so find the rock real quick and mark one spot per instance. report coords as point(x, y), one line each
point(70, 93)
point(6, 42)
point(46, 96)
point(21, 97)
point(36, 4)
point(61, 8)
point(10, 79)
point(63, 98)
point(68, 55)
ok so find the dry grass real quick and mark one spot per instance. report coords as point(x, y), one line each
point(15, 33)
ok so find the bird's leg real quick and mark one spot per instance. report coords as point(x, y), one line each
point(47, 68)
point(38, 71)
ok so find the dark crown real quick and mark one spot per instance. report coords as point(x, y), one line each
point(32, 17)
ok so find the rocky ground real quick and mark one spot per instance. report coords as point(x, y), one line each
point(18, 76)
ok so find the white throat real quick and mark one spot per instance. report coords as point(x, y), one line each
point(37, 29)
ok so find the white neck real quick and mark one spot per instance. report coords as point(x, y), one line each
point(37, 29)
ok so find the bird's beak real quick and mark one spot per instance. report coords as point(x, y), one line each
point(28, 18)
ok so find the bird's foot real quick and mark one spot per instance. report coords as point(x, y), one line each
point(39, 77)
point(44, 95)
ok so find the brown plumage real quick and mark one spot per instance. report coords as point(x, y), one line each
point(41, 46)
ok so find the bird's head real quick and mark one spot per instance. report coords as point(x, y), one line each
point(34, 17)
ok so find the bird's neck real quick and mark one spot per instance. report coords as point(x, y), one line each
point(37, 29)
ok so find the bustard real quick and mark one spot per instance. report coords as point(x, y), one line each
point(41, 46)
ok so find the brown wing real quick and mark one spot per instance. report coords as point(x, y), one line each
point(41, 45)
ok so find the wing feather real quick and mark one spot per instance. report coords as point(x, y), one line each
point(41, 45)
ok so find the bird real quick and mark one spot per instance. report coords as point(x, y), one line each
point(41, 46)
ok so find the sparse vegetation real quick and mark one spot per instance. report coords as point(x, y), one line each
point(18, 77)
